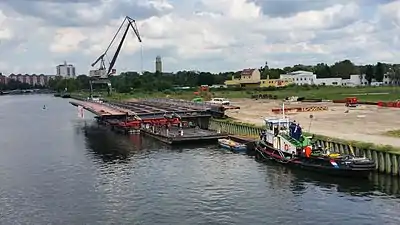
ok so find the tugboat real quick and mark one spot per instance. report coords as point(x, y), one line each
point(283, 142)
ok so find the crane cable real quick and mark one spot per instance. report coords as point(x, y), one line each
point(136, 34)
point(141, 58)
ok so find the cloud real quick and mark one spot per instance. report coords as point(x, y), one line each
point(212, 35)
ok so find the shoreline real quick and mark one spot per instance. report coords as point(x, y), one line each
point(364, 124)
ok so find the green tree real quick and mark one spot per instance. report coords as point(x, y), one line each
point(344, 69)
point(265, 71)
point(379, 72)
point(322, 70)
point(82, 82)
point(369, 73)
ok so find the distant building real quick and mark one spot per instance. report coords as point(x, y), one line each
point(3, 79)
point(387, 80)
point(276, 82)
point(66, 70)
point(252, 78)
point(360, 80)
point(33, 79)
point(158, 64)
point(301, 77)
point(334, 81)
point(355, 80)
point(309, 78)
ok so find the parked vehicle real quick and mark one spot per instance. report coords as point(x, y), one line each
point(221, 101)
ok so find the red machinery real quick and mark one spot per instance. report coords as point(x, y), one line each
point(157, 122)
point(351, 102)
point(204, 88)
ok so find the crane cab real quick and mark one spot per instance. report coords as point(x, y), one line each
point(100, 73)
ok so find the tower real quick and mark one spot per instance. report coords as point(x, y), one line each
point(158, 64)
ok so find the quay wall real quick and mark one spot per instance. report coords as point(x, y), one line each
point(387, 160)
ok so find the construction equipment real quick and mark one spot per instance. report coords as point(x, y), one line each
point(204, 88)
point(203, 92)
point(351, 102)
point(102, 74)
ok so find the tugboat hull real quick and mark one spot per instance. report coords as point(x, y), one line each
point(325, 166)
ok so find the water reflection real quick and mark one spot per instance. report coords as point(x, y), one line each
point(114, 148)
point(106, 145)
point(111, 147)
point(299, 180)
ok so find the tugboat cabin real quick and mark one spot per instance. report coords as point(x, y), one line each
point(278, 126)
point(281, 131)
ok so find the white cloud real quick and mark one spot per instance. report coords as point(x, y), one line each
point(390, 13)
point(67, 40)
point(234, 9)
point(5, 32)
point(160, 5)
point(211, 35)
point(3, 66)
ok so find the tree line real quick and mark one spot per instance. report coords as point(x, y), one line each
point(130, 81)
point(342, 69)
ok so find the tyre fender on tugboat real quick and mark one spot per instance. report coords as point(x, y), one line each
point(307, 151)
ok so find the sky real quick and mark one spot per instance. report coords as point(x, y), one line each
point(204, 35)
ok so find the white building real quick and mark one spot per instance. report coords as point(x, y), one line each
point(334, 81)
point(355, 80)
point(66, 70)
point(359, 80)
point(309, 78)
point(301, 77)
point(388, 81)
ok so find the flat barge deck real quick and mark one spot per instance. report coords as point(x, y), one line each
point(190, 135)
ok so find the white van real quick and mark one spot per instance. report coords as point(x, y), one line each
point(220, 101)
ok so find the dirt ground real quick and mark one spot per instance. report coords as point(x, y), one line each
point(364, 123)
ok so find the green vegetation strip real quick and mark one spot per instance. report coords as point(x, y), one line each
point(357, 144)
point(393, 133)
point(373, 94)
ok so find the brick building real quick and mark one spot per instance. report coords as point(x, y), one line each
point(31, 79)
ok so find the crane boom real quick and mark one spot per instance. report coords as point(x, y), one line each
point(118, 50)
point(104, 72)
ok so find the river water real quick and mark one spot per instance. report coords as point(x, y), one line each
point(56, 168)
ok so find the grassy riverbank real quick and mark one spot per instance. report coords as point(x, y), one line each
point(393, 133)
point(324, 92)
